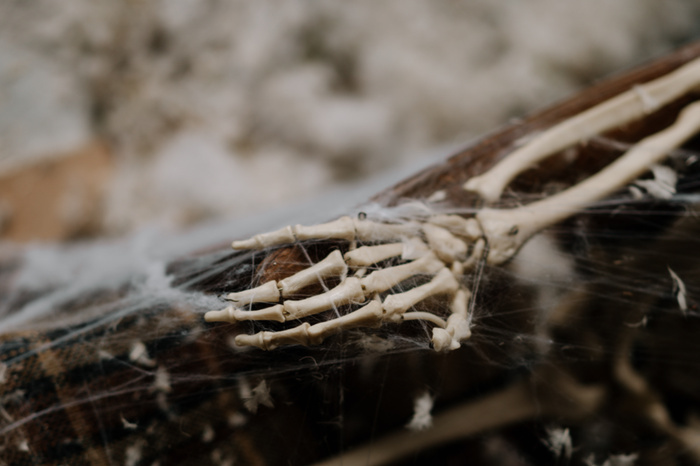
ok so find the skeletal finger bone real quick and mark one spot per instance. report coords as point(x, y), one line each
point(233, 314)
point(457, 328)
point(385, 279)
point(507, 230)
point(612, 113)
point(271, 340)
point(332, 265)
point(270, 292)
point(467, 228)
point(370, 315)
point(344, 228)
point(266, 293)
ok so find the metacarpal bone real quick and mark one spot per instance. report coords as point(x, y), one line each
point(614, 112)
point(305, 334)
point(265, 240)
point(265, 293)
point(343, 228)
point(476, 255)
point(507, 230)
point(448, 247)
point(370, 231)
point(271, 340)
point(349, 291)
point(332, 266)
point(384, 279)
point(443, 283)
point(369, 255)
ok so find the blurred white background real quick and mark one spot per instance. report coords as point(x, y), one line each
point(216, 109)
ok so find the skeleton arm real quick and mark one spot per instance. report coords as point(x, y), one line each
point(445, 247)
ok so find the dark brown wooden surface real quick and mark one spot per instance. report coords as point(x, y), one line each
point(76, 395)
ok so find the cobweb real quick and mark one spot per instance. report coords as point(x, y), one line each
point(583, 347)
point(106, 357)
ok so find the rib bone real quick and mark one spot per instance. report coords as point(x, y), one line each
point(614, 112)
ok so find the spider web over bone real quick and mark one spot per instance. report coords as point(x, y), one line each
point(445, 247)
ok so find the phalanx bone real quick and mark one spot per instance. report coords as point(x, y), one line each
point(448, 246)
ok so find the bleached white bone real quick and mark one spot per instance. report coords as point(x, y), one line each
point(369, 231)
point(414, 248)
point(370, 315)
point(348, 291)
point(443, 283)
point(233, 314)
point(457, 328)
point(265, 293)
point(265, 240)
point(344, 228)
point(503, 231)
point(465, 227)
point(447, 247)
point(385, 279)
point(271, 340)
point(507, 230)
point(614, 112)
point(476, 255)
point(332, 265)
point(368, 255)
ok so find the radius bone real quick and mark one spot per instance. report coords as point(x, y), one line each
point(614, 112)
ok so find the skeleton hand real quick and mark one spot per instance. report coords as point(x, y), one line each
point(444, 247)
